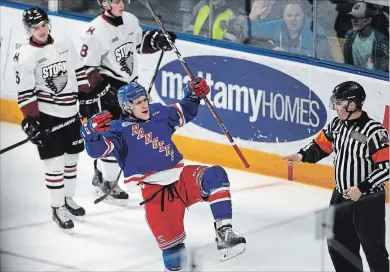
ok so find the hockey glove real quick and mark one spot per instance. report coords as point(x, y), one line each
point(97, 123)
point(32, 128)
point(88, 105)
point(161, 43)
point(199, 87)
point(109, 101)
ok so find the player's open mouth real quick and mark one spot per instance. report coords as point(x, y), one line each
point(145, 112)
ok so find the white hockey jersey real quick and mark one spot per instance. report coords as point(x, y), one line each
point(49, 76)
point(112, 49)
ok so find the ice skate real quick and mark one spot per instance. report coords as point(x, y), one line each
point(229, 242)
point(74, 209)
point(61, 216)
point(101, 186)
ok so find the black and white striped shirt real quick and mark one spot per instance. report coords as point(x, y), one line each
point(361, 148)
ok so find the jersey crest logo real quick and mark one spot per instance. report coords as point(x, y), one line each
point(123, 55)
point(55, 76)
point(91, 30)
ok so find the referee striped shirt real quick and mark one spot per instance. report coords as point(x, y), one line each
point(361, 148)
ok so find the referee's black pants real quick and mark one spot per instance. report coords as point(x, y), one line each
point(359, 223)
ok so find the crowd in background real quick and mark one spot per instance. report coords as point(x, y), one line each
point(345, 31)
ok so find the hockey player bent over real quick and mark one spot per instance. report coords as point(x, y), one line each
point(49, 79)
point(109, 47)
point(141, 142)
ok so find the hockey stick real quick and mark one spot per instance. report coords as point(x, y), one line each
point(155, 72)
point(187, 69)
point(103, 197)
point(47, 131)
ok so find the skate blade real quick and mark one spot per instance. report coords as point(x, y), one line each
point(110, 199)
point(80, 219)
point(229, 253)
point(116, 202)
point(66, 231)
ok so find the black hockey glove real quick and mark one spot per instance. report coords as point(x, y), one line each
point(161, 43)
point(110, 102)
point(88, 105)
point(32, 128)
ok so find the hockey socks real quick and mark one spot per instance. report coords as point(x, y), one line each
point(216, 187)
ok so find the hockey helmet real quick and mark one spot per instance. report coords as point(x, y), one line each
point(34, 17)
point(130, 92)
point(347, 92)
point(109, 2)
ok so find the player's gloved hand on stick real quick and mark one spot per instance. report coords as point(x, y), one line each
point(97, 123)
point(32, 128)
point(88, 105)
point(160, 41)
point(199, 87)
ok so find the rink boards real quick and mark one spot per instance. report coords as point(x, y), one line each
point(272, 106)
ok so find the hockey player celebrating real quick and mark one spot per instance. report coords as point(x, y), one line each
point(109, 46)
point(168, 186)
point(49, 77)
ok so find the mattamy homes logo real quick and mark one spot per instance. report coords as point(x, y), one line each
point(256, 102)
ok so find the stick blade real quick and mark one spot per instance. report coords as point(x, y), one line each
point(100, 199)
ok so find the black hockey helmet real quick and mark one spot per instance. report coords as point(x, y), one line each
point(100, 2)
point(349, 91)
point(34, 16)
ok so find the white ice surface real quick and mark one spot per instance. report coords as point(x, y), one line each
point(276, 216)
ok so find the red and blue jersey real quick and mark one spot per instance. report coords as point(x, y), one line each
point(144, 149)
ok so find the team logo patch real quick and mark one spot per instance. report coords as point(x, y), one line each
point(16, 57)
point(55, 76)
point(359, 137)
point(123, 55)
point(384, 139)
point(90, 30)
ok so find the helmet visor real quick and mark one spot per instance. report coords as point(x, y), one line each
point(333, 101)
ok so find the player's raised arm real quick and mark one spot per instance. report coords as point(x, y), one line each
point(187, 108)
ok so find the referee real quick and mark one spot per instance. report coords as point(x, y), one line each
point(361, 163)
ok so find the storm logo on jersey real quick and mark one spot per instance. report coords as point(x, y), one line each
point(123, 57)
point(55, 76)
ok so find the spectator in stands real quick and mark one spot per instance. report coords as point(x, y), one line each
point(365, 46)
point(227, 24)
point(266, 10)
point(293, 33)
point(343, 21)
point(263, 11)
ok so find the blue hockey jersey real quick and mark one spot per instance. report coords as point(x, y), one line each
point(144, 149)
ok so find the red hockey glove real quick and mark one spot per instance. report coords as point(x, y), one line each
point(100, 122)
point(97, 123)
point(199, 87)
